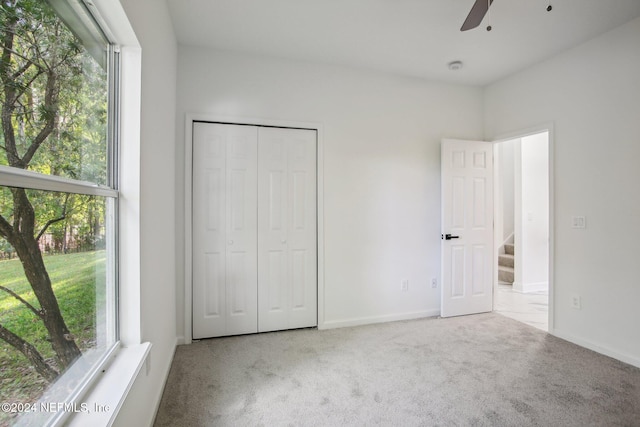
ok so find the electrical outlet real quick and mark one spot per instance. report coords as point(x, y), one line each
point(434, 282)
point(576, 302)
point(405, 285)
point(578, 222)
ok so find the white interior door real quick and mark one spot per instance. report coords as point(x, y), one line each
point(224, 229)
point(287, 260)
point(467, 227)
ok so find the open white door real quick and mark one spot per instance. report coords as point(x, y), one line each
point(467, 227)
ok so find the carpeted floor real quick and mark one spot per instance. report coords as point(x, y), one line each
point(481, 370)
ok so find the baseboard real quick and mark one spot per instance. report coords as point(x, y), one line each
point(180, 340)
point(332, 324)
point(623, 357)
point(530, 287)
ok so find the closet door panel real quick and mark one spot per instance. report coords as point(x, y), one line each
point(273, 289)
point(224, 230)
point(287, 229)
point(242, 274)
point(303, 228)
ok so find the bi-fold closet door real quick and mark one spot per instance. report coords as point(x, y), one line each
point(254, 229)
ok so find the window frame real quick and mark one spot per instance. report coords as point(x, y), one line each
point(14, 177)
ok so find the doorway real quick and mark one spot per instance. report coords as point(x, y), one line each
point(522, 228)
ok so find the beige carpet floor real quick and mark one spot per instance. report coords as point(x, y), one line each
point(481, 370)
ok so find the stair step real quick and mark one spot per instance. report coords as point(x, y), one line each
point(506, 274)
point(509, 248)
point(506, 260)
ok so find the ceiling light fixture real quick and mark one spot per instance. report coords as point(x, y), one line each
point(455, 65)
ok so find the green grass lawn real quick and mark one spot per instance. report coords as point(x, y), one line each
point(74, 279)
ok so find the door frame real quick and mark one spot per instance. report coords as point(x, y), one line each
point(549, 128)
point(188, 199)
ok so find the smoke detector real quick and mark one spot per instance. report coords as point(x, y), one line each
point(455, 65)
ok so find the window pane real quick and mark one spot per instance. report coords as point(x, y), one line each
point(55, 93)
point(63, 266)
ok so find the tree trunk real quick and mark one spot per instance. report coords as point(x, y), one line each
point(30, 352)
point(28, 251)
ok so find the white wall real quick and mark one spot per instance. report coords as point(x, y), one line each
point(506, 188)
point(151, 23)
point(532, 214)
point(381, 138)
point(592, 95)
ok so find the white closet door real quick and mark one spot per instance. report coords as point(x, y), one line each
point(287, 259)
point(224, 230)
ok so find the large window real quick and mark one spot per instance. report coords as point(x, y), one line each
point(58, 204)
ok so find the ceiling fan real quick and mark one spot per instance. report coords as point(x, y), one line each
point(477, 13)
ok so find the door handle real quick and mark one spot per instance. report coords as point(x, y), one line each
point(449, 237)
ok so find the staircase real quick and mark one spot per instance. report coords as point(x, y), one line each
point(505, 264)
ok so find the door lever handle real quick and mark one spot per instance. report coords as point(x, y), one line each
point(449, 237)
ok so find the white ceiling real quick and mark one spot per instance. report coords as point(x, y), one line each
point(409, 37)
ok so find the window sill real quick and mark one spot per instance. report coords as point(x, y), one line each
point(103, 402)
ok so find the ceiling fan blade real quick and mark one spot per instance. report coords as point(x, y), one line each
point(476, 15)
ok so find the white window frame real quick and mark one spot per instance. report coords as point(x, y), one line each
point(14, 177)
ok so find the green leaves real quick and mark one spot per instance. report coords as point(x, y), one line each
point(49, 83)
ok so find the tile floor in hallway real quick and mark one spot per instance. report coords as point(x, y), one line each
point(530, 308)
